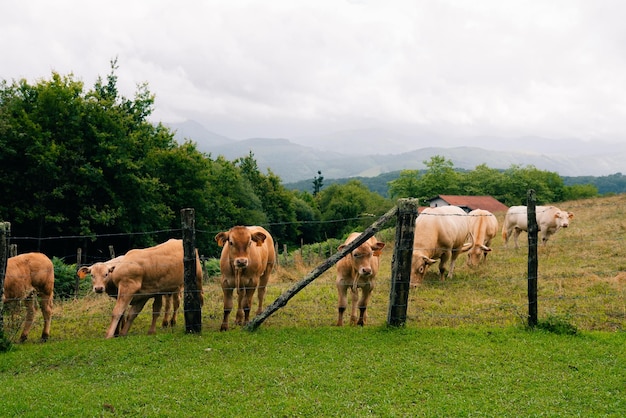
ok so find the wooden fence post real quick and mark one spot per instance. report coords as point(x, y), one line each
point(316, 272)
point(192, 305)
point(5, 233)
point(532, 259)
point(79, 260)
point(401, 262)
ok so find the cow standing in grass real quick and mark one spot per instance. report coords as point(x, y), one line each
point(247, 260)
point(483, 227)
point(440, 233)
point(549, 220)
point(30, 276)
point(357, 270)
point(144, 274)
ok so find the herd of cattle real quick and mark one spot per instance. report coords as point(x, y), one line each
point(247, 259)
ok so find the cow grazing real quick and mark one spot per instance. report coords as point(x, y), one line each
point(101, 273)
point(440, 233)
point(30, 276)
point(246, 262)
point(144, 274)
point(483, 227)
point(549, 220)
point(357, 270)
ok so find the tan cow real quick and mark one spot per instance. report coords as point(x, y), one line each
point(357, 270)
point(144, 274)
point(440, 233)
point(27, 277)
point(549, 220)
point(246, 262)
point(101, 282)
point(483, 227)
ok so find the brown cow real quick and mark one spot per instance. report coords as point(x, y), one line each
point(357, 270)
point(143, 274)
point(246, 262)
point(27, 277)
point(483, 227)
point(549, 220)
point(101, 282)
point(440, 233)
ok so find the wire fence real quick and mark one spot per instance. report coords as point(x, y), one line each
point(582, 280)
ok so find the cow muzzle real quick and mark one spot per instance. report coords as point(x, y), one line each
point(98, 289)
point(241, 263)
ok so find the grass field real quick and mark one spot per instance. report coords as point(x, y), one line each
point(464, 351)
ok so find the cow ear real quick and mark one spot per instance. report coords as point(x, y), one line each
point(111, 269)
point(378, 248)
point(429, 261)
point(82, 272)
point(259, 238)
point(341, 247)
point(221, 238)
point(570, 215)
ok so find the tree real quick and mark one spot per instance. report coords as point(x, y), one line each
point(406, 185)
point(318, 182)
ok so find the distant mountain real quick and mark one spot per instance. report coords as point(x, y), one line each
point(358, 153)
point(197, 133)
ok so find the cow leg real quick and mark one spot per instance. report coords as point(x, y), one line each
point(228, 305)
point(355, 302)
point(453, 257)
point(366, 294)
point(124, 296)
point(45, 302)
point(342, 303)
point(156, 311)
point(29, 303)
point(167, 310)
point(133, 312)
point(247, 303)
point(516, 233)
point(175, 307)
point(442, 264)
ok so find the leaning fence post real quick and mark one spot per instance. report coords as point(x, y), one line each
point(192, 306)
point(401, 262)
point(532, 259)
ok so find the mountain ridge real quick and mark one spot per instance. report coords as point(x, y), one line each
point(293, 161)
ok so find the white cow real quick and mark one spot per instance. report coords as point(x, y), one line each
point(440, 233)
point(484, 227)
point(549, 220)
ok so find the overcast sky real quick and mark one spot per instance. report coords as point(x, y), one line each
point(288, 68)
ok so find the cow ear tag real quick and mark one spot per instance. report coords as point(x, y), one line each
point(81, 274)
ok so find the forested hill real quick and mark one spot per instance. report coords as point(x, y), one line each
point(612, 184)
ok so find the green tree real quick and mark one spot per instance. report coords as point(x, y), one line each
point(347, 207)
point(406, 185)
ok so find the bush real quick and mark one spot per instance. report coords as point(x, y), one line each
point(65, 280)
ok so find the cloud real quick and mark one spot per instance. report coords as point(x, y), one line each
point(289, 68)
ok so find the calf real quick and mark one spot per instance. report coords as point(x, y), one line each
point(101, 273)
point(144, 274)
point(357, 270)
point(246, 262)
point(27, 277)
point(483, 227)
point(549, 220)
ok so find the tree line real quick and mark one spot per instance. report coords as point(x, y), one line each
point(87, 163)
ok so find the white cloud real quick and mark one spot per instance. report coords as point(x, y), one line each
point(285, 68)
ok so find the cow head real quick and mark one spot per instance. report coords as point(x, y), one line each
point(419, 266)
point(562, 218)
point(477, 254)
point(100, 275)
point(361, 257)
point(239, 239)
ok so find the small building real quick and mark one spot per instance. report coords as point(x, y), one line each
point(469, 203)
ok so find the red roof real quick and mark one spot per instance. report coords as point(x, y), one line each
point(474, 202)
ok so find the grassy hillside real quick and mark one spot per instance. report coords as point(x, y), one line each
point(464, 350)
